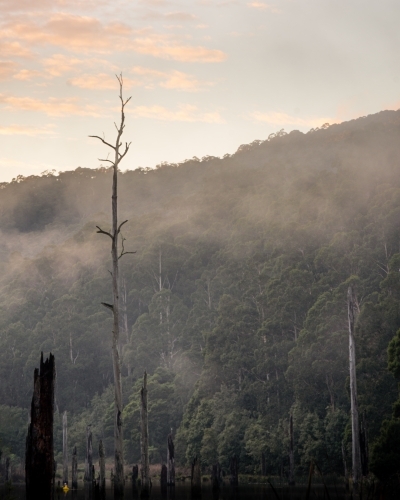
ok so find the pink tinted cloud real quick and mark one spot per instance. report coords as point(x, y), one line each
point(283, 119)
point(7, 69)
point(173, 80)
point(87, 34)
point(26, 130)
point(184, 113)
point(51, 107)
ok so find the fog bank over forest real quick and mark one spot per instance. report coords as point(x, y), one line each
point(235, 301)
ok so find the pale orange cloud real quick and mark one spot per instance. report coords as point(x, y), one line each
point(283, 119)
point(14, 49)
point(185, 113)
point(7, 69)
point(58, 64)
point(87, 34)
point(27, 74)
point(26, 130)
point(101, 81)
point(51, 107)
point(264, 6)
point(174, 80)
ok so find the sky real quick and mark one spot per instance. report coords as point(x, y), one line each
point(204, 76)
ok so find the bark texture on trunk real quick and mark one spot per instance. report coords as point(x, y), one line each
point(145, 473)
point(39, 458)
point(170, 461)
point(65, 449)
point(74, 470)
point(291, 453)
point(355, 428)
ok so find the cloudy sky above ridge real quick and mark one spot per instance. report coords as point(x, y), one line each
point(205, 76)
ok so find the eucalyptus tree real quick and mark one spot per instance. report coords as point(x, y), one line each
point(116, 254)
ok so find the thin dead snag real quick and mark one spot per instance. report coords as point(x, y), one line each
point(145, 471)
point(65, 449)
point(114, 235)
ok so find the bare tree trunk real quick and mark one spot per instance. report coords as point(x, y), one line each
point(170, 461)
point(8, 470)
point(102, 467)
point(364, 446)
point(89, 456)
point(355, 430)
point(39, 458)
point(74, 471)
point(291, 453)
point(145, 439)
point(119, 479)
point(65, 449)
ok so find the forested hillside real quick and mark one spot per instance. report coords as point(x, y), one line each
point(234, 302)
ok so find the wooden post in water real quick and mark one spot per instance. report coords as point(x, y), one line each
point(145, 472)
point(163, 477)
point(355, 429)
point(74, 470)
point(291, 453)
point(65, 449)
point(89, 456)
point(196, 478)
point(170, 461)
point(102, 467)
point(39, 456)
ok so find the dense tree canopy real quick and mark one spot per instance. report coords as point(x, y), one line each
point(235, 301)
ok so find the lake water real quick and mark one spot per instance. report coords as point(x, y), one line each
point(183, 492)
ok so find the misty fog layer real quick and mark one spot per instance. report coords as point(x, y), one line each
point(235, 301)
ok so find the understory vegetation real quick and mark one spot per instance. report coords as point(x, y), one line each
point(234, 302)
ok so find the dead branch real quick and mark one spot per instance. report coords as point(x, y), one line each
point(103, 232)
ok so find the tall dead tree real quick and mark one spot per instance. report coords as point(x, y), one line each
point(39, 457)
point(102, 467)
point(65, 449)
point(145, 471)
point(114, 307)
point(355, 428)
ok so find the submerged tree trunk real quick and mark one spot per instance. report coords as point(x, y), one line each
point(39, 458)
point(119, 479)
point(291, 453)
point(145, 439)
point(65, 449)
point(170, 461)
point(196, 478)
point(74, 470)
point(355, 430)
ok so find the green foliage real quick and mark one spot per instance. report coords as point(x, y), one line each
point(234, 303)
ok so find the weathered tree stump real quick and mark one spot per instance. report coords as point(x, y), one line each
point(135, 475)
point(74, 470)
point(39, 457)
point(170, 461)
point(196, 478)
point(234, 470)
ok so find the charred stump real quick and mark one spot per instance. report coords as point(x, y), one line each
point(234, 470)
point(74, 470)
point(65, 449)
point(39, 455)
point(135, 475)
point(163, 477)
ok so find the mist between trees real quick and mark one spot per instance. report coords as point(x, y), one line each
point(235, 302)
